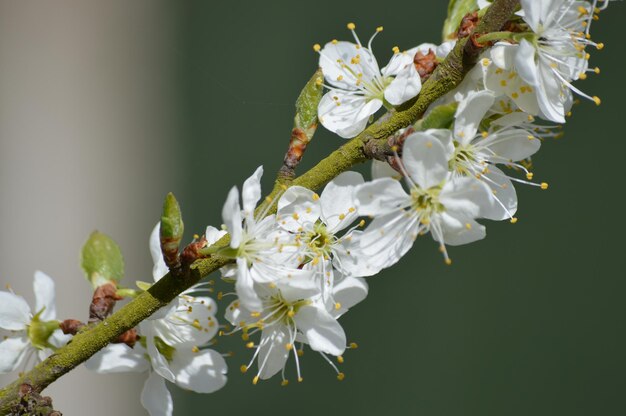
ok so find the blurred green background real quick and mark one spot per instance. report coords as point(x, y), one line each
point(529, 321)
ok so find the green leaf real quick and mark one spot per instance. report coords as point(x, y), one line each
point(308, 100)
point(172, 226)
point(101, 260)
point(456, 10)
point(440, 117)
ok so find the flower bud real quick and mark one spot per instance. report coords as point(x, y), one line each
point(171, 232)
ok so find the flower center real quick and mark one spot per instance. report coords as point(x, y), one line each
point(426, 203)
point(464, 157)
point(40, 331)
point(319, 241)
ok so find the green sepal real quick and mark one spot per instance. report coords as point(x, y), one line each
point(456, 10)
point(308, 100)
point(101, 259)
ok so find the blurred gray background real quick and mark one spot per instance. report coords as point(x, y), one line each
point(106, 106)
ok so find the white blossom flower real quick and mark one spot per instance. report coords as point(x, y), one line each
point(358, 88)
point(439, 202)
point(261, 249)
point(317, 222)
point(293, 311)
point(33, 336)
point(537, 73)
point(504, 142)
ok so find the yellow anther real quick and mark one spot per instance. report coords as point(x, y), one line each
point(361, 223)
point(600, 46)
point(255, 314)
point(485, 62)
point(308, 210)
point(291, 313)
point(317, 47)
point(582, 76)
point(448, 261)
point(429, 144)
point(315, 261)
point(484, 134)
point(340, 376)
point(596, 70)
point(340, 77)
point(529, 176)
point(568, 114)
point(196, 236)
point(196, 324)
point(272, 285)
point(334, 41)
point(295, 216)
point(351, 26)
point(315, 197)
point(503, 82)
point(513, 220)
point(250, 344)
point(245, 336)
point(300, 353)
point(353, 345)
point(587, 56)
point(255, 380)
point(544, 185)
point(243, 368)
point(582, 10)
point(337, 306)
point(342, 217)
point(515, 96)
point(288, 347)
point(468, 225)
point(195, 349)
point(340, 359)
point(351, 209)
point(300, 379)
point(379, 29)
point(597, 100)
point(395, 49)
point(284, 383)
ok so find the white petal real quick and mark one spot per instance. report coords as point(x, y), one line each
point(525, 63)
point(387, 238)
point(12, 353)
point(159, 363)
point(118, 358)
point(383, 170)
point(213, 235)
point(300, 285)
point(406, 85)
point(426, 159)
point(467, 196)
point(202, 372)
point(159, 269)
point(298, 207)
point(504, 192)
point(348, 114)
point(445, 48)
point(155, 397)
point(470, 113)
point(503, 55)
point(231, 214)
point(380, 196)
point(251, 192)
point(43, 286)
point(348, 292)
point(337, 200)
point(177, 329)
point(14, 312)
point(553, 99)
point(323, 333)
point(273, 353)
point(460, 230)
point(245, 287)
point(512, 144)
point(536, 11)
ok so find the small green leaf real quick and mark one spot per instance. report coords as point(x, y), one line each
point(172, 229)
point(101, 260)
point(440, 117)
point(308, 100)
point(456, 10)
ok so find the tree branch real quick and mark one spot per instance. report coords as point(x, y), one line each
point(85, 344)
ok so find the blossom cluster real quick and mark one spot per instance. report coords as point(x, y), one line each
point(299, 260)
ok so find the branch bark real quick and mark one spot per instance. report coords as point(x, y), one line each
point(86, 343)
